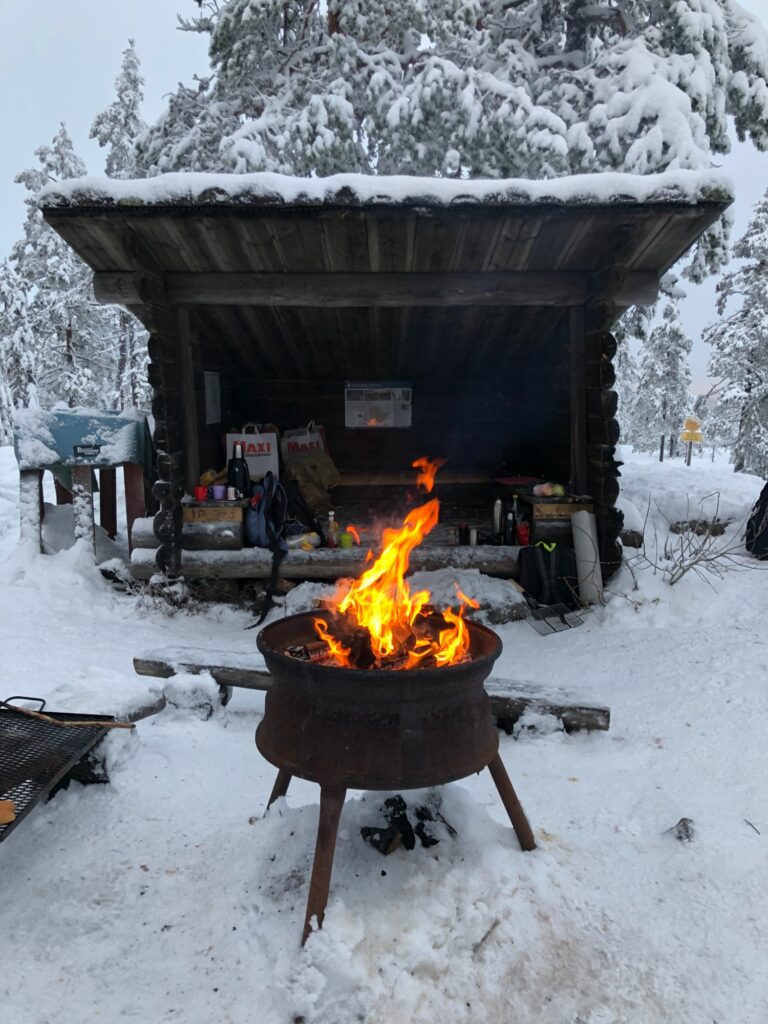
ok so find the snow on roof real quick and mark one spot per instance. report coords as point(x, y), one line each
point(191, 188)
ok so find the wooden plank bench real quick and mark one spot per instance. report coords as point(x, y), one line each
point(509, 699)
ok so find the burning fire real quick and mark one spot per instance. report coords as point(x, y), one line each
point(375, 621)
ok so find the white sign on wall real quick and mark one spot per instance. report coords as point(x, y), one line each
point(376, 405)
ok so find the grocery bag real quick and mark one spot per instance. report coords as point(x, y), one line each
point(304, 439)
point(260, 450)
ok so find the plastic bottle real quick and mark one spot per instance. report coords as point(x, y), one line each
point(510, 529)
point(332, 533)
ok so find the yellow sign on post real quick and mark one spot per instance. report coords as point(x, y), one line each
point(692, 432)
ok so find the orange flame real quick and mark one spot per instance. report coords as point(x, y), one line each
point(380, 600)
point(355, 532)
point(428, 470)
point(335, 647)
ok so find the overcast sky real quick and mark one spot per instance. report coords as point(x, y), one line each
point(58, 62)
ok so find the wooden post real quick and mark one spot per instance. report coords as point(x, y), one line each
point(63, 496)
point(188, 402)
point(82, 501)
point(688, 454)
point(108, 500)
point(133, 475)
point(661, 449)
point(31, 520)
point(578, 358)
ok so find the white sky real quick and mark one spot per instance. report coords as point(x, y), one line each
point(58, 62)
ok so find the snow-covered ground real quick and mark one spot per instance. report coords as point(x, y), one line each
point(166, 897)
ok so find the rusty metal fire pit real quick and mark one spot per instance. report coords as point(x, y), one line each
point(372, 729)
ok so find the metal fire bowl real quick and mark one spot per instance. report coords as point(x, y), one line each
point(375, 729)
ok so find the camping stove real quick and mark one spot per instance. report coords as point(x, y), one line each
point(376, 729)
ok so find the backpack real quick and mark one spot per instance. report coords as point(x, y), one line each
point(756, 539)
point(299, 516)
point(548, 574)
point(266, 514)
point(265, 528)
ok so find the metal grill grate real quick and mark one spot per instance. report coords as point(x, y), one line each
point(35, 755)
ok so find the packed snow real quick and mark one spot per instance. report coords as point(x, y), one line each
point(180, 188)
point(166, 896)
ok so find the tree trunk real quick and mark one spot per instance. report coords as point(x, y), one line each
point(122, 360)
point(69, 358)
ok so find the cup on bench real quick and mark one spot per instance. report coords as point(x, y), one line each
point(218, 492)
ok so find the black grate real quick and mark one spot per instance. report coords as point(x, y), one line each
point(35, 755)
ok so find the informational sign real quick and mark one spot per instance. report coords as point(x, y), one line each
point(692, 432)
point(377, 405)
point(87, 451)
point(212, 383)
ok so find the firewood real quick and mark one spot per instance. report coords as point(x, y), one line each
point(385, 840)
point(7, 812)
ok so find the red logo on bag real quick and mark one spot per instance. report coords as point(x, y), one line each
point(256, 447)
point(294, 447)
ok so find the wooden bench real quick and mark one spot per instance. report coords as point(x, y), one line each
point(510, 699)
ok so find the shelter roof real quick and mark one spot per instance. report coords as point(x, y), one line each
point(355, 275)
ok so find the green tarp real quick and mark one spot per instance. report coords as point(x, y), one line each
point(58, 439)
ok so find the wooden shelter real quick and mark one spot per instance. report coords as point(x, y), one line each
point(493, 300)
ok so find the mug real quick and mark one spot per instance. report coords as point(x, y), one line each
point(218, 492)
point(232, 494)
point(201, 494)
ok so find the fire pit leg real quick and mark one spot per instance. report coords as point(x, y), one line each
point(280, 788)
point(331, 803)
point(512, 804)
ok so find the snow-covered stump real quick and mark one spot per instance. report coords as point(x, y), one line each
point(82, 502)
point(30, 506)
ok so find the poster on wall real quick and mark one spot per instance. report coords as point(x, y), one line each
point(377, 405)
point(212, 383)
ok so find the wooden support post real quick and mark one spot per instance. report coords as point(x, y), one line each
point(188, 403)
point(661, 449)
point(331, 803)
point(512, 804)
point(31, 520)
point(280, 788)
point(135, 505)
point(82, 501)
point(108, 500)
point(578, 360)
point(63, 496)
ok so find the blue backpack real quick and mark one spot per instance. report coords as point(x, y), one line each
point(265, 528)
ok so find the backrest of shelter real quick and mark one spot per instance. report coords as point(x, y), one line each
point(493, 374)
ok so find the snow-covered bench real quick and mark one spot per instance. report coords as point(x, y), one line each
point(510, 699)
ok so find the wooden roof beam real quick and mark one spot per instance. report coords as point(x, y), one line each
point(343, 289)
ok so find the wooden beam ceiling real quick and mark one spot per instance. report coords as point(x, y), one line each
point(372, 290)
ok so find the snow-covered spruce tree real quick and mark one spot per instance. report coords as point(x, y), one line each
point(117, 129)
point(663, 389)
point(18, 352)
point(496, 88)
point(739, 341)
point(73, 335)
point(627, 377)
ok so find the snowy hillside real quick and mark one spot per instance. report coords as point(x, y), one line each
point(166, 897)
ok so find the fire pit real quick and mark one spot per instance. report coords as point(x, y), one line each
point(376, 729)
point(381, 690)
